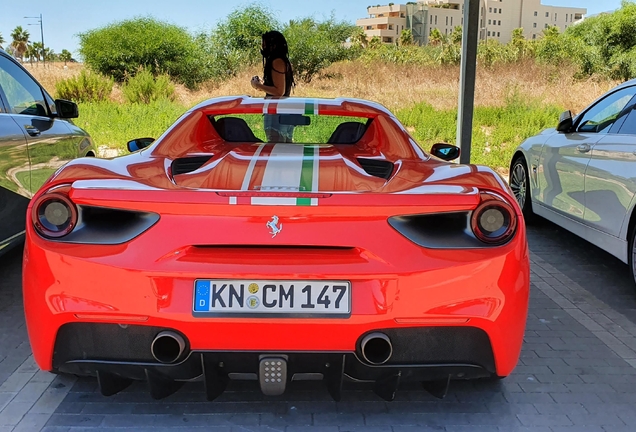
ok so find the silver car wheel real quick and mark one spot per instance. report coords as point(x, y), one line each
point(518, 183)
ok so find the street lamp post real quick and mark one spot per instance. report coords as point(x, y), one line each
point(41, 34)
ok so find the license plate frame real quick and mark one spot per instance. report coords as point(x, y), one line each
point(219, 301)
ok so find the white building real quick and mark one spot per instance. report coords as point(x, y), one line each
point(498, 18)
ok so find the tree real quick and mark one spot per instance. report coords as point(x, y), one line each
point(1, 41)
point(456, 35)
point(359, 38)
point(406, 37)
point(66, 56)
point(38, 51)
point(436, 37)
point(241, 31)
point(316, 45)
point(122, 48)
point(20, 41)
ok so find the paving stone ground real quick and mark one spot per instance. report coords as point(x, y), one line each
point(577, 371)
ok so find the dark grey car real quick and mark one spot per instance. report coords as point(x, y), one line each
point(36, 138)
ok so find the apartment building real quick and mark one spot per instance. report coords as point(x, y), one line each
point(498, 18)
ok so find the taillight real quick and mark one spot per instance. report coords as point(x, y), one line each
point(494, 221)
point(53, 214)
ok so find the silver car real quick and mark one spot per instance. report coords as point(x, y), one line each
point(36, 138)
point(582, 175)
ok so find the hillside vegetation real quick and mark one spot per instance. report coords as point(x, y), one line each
point(521, 86)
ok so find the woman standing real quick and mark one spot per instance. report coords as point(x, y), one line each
point(278, 80)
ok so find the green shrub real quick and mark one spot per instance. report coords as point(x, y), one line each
point(120, 49)
point(313, 45)
point(85, 87)
point(145, 88)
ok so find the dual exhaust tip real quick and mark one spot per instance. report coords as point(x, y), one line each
point(168, 347)
point(376, 348)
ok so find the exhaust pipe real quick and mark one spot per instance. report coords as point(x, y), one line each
point(167, 347)
point(376, 348)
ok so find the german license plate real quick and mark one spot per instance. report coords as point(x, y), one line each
point(213, 297)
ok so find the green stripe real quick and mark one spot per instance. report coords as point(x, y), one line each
point(307, 173)
point(309, 107)
point(303, 201)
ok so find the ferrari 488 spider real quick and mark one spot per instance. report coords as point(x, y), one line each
point(214, 254)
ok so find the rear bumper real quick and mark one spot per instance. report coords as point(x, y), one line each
point(117, 354)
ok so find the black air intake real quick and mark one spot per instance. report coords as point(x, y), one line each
point(377, 167)
point(188, 164)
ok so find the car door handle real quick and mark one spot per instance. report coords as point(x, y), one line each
point(33, 131)
point(584, 148)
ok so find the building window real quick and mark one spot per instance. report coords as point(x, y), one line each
point(431, 19)
point(390, 26)
point(435, 19)
point(536, 13)
point(488, 33)
point(489, 22)
point(534, 36)
point(498, 34)
point(489, 10)
point(555, 17)
point(446, 20)
point(498, 22)
point(546, 26)
point(369, 27)
point(547, 14)
point(499, 10)
point(451, 21)
point(534, 25)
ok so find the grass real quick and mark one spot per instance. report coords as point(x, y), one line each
point(112, 125)
point(513, 102)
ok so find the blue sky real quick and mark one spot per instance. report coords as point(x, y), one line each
point(63, 19)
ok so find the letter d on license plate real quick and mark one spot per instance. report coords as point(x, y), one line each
point(242, 298)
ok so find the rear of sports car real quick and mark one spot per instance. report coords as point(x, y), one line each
point(274, 263)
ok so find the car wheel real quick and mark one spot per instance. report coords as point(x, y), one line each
point(520, 185)
point(632, 254)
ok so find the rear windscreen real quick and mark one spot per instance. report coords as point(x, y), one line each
point(290, 128)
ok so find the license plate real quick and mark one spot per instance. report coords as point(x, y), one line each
point(213, 297)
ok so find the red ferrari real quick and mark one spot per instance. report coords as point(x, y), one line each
point(340, 251)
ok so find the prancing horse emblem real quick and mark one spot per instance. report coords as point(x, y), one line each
point(273, 226)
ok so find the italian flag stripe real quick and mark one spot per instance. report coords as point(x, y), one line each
point(308, 175)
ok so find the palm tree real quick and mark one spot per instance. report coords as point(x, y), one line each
point(1, 41)
point(31, 53)
point(37, 47)
point(20, 40)
point(65, 56)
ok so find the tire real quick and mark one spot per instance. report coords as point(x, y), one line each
point(520, 185)
point(631, 254)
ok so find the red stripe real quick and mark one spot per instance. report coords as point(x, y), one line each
point(271, 108)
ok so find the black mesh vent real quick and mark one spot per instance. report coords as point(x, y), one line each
point(188, 164)
point(377, 167)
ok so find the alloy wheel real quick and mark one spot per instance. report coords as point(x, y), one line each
point(518, 183)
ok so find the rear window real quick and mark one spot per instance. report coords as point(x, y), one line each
point(290, 128)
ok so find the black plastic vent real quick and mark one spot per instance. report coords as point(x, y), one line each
point(188, 164)
point(377, 167)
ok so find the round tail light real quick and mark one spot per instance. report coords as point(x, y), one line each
point(54, 215)
point(494, 221)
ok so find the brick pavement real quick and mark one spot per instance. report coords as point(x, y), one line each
point(577, 372)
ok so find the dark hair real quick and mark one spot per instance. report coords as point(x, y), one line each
point(275, 47)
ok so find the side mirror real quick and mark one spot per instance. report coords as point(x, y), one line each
point(139, 143)
point(447, 152)
point(565, 122)
point(66, 109)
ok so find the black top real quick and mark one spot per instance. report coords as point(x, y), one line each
point(267, 75)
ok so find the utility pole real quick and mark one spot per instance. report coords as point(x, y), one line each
point(41, 35)
point(467, 79)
